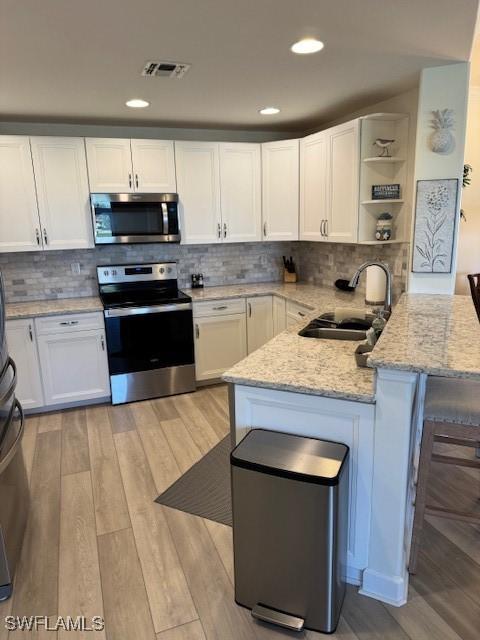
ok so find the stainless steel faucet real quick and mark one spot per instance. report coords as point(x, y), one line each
point(387, 305)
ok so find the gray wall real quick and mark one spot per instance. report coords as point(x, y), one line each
point(48, 274)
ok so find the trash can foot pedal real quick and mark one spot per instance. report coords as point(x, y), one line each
point(261, 612)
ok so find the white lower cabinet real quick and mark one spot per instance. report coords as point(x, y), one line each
point(220, 342)
point(326, 418)
point(279, 315)
point(295, 313)
point(259, 321)
point(73, 358)
point(22, 347)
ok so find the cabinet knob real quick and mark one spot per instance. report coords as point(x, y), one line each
point(130, 180)
point(265, 229)
point(219, 230)
point(249, 309)
point(37, 235)
point(30, 332)
point(224, 229)
point(197, 331)
point(45, 237)
point(102, 342)
point(136, 180)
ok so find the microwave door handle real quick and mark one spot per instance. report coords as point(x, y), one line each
point(165, 218)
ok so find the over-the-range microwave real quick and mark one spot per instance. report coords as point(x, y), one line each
point(129, 218)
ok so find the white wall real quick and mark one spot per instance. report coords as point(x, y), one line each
point(469, 231)
point(440, 88)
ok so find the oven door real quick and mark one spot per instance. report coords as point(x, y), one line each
point(150, 351)
point(131, 218)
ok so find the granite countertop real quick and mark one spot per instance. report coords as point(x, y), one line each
point(289, 362)
point(17, 310)
point(433, 334)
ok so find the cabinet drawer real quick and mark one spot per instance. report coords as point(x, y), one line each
point(69, 322)
point(297, 310)
point(218, 307)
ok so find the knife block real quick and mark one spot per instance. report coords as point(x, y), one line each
point(289, 277)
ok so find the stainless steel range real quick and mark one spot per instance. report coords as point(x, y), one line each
point(149, 330)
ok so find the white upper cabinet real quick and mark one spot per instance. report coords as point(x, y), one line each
point(153, 166)
point(280, 182)
point(240, 188)
point(62, 189)
point(343, 182)
point(109, 165)
point(198, 182)
point(19, 223)
point(313, 187)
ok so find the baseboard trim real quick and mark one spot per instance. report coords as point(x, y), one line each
point(389, 589)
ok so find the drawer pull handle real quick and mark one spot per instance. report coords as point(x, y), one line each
point(136, 180)
point(221, 308)
point(37, 236)
point(301, 314)
point(219, 230)
point(45, 237)
point(30, 332)
point(130, 180)
point(265, 229)
point(69, 323)
point(249, 310)
point(102, 342)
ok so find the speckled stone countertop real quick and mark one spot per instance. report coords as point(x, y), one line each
point(16, 310)
point(433, 334)
point(302, 365)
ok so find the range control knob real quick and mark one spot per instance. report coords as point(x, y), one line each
point(105, 273)
point(169, 270)
point(114, 272)
point(162, 270)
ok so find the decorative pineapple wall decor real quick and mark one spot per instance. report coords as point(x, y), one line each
point(442, 139)
point(435, 211)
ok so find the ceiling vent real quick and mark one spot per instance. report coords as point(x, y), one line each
point(165, 69)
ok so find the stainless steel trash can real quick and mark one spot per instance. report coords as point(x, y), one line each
point(290, 518)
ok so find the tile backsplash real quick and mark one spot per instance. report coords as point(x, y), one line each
point(53, 274)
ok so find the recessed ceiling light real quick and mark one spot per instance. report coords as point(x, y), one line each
point(269, 111)
point(307, 45)
point(137, 103)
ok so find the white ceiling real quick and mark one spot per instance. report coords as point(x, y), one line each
point(80, 60)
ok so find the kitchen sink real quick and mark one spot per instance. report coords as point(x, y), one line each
point(326, 327)
point(332, 333)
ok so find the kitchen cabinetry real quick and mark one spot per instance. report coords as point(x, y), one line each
point(313, 187)
point(22, 347)
point(329, 184)
point(198, 179)
point(280, 189)
point(62, 192)
point(73, 358)
point(220, 337)
point(259, 321)
point(295, 313)
point(279, 315)
point(240, 190)
point(121, 165)
point(19, 223)
point(343, 182)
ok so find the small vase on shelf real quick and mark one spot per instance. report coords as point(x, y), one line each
point(383, 230)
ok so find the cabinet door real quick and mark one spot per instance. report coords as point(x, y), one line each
point(74, 366)
point(63, 195)
point(259, 321)
point(198, 181)
point(109, 165)
point(22, 348)
point(153, 166)
point(279, 315)
point(313, 187)
point(240, 189)
point(19, 224)
point(220, 342)
point(343, 185)
point(280, 164)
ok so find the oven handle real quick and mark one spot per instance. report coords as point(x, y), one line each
point(13, 449)
point(136, 311)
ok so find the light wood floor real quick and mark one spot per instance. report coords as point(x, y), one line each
point(96, 544)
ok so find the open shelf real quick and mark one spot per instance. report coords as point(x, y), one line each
point(384, 159)
point(387, 201)
point(375, 242)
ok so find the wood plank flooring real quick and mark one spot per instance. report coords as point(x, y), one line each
point(97, 544)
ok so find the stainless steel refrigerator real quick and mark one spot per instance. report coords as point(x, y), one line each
point(14, 493)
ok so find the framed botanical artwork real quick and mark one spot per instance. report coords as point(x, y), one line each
point(434, 235)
